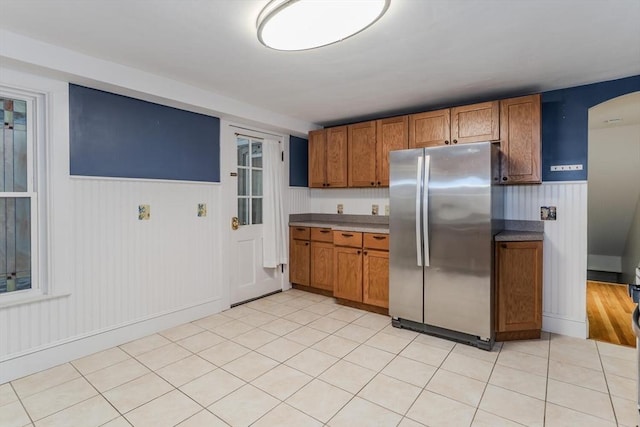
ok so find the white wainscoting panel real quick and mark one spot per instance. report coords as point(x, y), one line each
point(356, 201)
point(125, 270)
point(298, 200)
point(565, 249)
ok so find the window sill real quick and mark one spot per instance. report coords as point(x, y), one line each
point(30, 300)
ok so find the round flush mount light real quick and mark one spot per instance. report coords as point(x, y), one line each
point(307, 24)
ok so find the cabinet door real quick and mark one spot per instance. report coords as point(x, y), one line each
point(317, 158)
point(429, 129)
point(362, 154)
point(336, 167)
point(375, 281)
point(347, 273)
point(391, 134)
point(520, 140)
point(322, 265)
point(519, 286)
point(475, 123)
point(299, 262)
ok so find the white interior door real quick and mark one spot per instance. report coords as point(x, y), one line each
point(248, 278)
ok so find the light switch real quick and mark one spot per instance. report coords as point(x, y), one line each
point(144, 212)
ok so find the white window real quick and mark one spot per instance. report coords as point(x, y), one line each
point(18, 195)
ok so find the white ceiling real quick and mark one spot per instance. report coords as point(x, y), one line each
point(422, 53)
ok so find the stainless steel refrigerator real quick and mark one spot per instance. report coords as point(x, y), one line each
point(445, 208)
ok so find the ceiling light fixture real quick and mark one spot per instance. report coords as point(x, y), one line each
point(307, 24)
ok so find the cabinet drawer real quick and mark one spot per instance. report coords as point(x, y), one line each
point(376, 241)
point(347, 238)
point(300, 233)
point(321, 234)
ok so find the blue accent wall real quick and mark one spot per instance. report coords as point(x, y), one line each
point(298, 162)
point(117, 136)
point(565, 116)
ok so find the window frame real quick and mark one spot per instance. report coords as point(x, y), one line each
point(36, 189)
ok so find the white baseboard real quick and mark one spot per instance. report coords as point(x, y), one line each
point(19, 365)
point(562, 326)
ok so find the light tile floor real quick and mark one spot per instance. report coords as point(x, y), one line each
point(300, 359)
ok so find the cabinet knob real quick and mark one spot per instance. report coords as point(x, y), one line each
point(379, 183)
point(373, 183)
point(365, 252)
point(504, 178)
point(306, 243)
point(455, 141)
point(446, 142)
point(328, 185)
point(358, 252)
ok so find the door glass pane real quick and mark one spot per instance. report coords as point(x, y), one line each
point(256, 211)
point(13, 145)
point(243, 152)
point(243, 211)
point(256, 154)
point(243, 182)
point(256, 182)
point(15, 244)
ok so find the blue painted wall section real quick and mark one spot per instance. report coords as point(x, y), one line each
point(117, 136)
point(298, 162)
point(565, 116)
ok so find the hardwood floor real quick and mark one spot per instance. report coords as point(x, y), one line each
point(609, 309)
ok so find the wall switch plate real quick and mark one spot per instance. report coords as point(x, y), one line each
point(566, 168)
point(340, 208)
point(386, 210)
point(144, 212)
point(202, 209)
point(548, 213)
point(374, 209)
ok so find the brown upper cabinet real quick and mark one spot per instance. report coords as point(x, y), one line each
point(328, 157)
point(391, 134)
point(362, 154)
point(457, 125)
point(520, 142)
point(369, 147)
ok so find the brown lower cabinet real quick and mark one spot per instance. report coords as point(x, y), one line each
point(518, 290)
point(361, 268)
point(299, 257)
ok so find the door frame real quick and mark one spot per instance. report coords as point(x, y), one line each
point(228, 193)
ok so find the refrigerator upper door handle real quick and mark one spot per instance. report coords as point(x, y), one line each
point(425, 213)
point(419, 183)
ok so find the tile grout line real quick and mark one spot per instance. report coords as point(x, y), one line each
point(22, 403)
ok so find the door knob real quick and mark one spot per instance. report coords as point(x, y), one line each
point(235, 223)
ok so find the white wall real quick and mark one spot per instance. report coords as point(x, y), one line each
point(112, 277)
point(614, 174)
point(631, 255)
point(565, 244)
point(355, 201)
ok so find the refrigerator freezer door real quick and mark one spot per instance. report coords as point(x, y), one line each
point(405, 224)
point(458, 285)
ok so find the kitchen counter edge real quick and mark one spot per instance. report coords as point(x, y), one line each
point(519, 236)
point(360, 227)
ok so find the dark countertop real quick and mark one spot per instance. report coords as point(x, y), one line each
point(519, 236)
point(344, 226)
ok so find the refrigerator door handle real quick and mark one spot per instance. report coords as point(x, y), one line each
point(425, 213)
point(419, 183)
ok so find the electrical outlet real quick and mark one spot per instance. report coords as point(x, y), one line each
point(374, 209)
point(202, 209)
point(386, 210)
point(340, 208)
point(548, 213)
point(566, 168)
